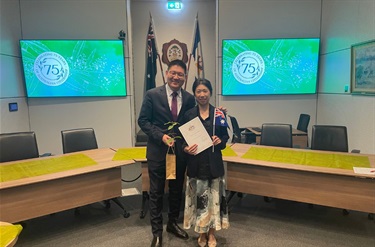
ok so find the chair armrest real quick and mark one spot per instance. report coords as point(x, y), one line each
point(45, 155)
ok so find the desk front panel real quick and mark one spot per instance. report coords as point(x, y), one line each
point(346, 192)
point(33, 200)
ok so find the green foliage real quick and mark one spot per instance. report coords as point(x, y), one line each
point(171, 132)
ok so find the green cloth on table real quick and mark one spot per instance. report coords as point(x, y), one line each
point(8, 233)
point(130, 153)
point(330, 160)
point(228, 151)
point(43, 166)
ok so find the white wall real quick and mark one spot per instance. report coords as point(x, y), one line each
point(252, 19)
point(339, 23)
point(11, 86)
point(112, 118)
point(168, 26)
point(344, 23)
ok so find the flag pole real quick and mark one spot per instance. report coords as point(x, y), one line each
point(192, 49)
point(157, 51)
point(188, 69)
point(213, 128)
point(201, 52)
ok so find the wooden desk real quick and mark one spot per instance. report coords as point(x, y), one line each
point(299, 137)
point(332, 187)
point(32, 197)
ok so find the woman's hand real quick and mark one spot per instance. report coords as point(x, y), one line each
point(192, 150)
point(216, 140)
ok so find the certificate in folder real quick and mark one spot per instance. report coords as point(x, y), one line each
point(195, 133)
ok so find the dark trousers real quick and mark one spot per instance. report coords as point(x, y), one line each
point(156, 171)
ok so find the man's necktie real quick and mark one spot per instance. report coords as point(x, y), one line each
point(174, 106)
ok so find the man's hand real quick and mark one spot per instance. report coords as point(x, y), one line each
point(169, 141)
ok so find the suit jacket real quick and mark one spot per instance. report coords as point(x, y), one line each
point(215, 158)
point(155, 113)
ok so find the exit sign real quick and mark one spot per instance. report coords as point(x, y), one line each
point(174, 5)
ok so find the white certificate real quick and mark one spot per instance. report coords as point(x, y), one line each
point(195, 133)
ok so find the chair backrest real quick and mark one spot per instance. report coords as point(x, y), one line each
point(75, 140)
point(329, 138)
point(236, 130)
point(303, 122)
point(18, 146)
point(274, 134)
point(141, 139)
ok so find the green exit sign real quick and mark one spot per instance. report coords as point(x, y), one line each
point(174, 5)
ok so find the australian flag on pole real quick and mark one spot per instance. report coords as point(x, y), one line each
point(220, 119)
point(151, 58)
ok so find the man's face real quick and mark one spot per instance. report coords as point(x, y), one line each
point(175, 77)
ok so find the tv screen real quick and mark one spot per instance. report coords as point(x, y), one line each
point(73, 68)
point(269, 66)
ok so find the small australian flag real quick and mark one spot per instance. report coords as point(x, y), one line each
point(220, 118)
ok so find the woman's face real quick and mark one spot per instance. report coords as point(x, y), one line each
point(202, 95)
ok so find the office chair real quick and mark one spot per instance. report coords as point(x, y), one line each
point(236, 130)
point(303, 122)
point(274, 134)
point(18, 146)
point(141, 139)
point(76, 140)
point(278, 135)
point(331, 138)
point(239, 132)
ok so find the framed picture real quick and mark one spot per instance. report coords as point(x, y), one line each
point(363, 68)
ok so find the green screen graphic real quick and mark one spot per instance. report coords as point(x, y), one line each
point(73, 68)
point(270, 66)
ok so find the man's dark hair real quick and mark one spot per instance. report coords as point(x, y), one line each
point(179, 63)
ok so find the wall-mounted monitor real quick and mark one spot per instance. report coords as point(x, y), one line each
point(269, 66)
point(73, 68)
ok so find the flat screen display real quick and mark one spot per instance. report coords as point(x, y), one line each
point(269, 66)
point(73, 68)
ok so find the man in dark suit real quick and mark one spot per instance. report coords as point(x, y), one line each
point(156, 111)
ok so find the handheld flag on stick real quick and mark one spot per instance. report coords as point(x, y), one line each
point(196, 51)
point(219, 120)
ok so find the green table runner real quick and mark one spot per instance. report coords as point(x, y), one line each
point(228, 151)
point(8, 233)
point(43, 166)
point(130, 153)
point(330, 160)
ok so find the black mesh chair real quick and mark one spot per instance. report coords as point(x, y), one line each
point(275, 134)
point(76, 140)
point(303, 122)
point(18, 146)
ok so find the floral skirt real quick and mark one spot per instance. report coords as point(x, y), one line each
point(205, 205)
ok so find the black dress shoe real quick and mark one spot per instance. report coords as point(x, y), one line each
point(173, 228)
point(157, 242)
